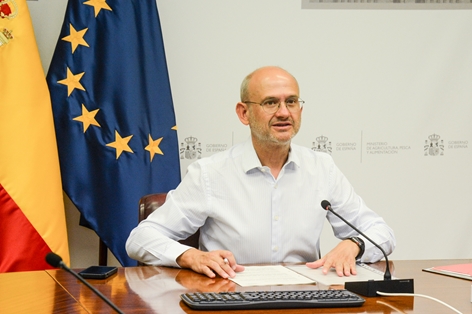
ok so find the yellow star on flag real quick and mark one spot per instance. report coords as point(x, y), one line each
point(72, 81)
point(76, 37)
point(121, 144)
point(98, 5)
point(87, 118)
point(153, 147)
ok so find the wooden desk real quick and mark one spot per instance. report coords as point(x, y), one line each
point(35, 292)
point(157, 290)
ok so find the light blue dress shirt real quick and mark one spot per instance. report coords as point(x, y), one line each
point(241, 207)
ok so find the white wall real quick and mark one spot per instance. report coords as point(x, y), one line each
point(375, 80)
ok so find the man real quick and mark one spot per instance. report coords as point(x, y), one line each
point(259, 202)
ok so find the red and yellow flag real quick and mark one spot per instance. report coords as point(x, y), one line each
point(32, 217)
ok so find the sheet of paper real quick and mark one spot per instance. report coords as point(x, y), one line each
point(364, 272)
point(269, 276)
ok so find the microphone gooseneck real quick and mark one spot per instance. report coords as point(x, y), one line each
point(327, 206)
point(56, 261)
point(371, 287)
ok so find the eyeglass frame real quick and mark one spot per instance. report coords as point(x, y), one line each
point(279, 102)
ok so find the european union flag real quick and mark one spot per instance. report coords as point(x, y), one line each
point(113, 113)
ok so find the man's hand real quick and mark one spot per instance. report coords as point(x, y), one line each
point(342, 258)
point(208, 263)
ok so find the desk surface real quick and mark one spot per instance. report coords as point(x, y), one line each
point(157, 290)
point(35, 292)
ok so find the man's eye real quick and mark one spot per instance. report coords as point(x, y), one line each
point(270, 103)
point(291, 101)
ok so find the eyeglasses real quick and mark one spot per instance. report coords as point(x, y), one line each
point(272, 105)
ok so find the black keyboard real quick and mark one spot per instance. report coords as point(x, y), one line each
point(271, 299)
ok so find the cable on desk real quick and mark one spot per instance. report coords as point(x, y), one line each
point(417, 295)
point(390, 306)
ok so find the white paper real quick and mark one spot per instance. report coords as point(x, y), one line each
point(269, 276)
point(299, 275)
point(364, 273)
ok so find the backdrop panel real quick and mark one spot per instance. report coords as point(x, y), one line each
point(386, 95)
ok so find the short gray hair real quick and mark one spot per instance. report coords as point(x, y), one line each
point(244, 92)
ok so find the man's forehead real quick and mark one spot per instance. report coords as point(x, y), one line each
point(273, 85)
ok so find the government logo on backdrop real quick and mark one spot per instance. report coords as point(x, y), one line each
point(322, 145)
point(191, 148)
point(434, 146)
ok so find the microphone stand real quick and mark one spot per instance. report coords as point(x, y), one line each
point(369, 288)
point(56, 261)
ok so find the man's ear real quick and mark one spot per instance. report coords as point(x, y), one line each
point(242, 112)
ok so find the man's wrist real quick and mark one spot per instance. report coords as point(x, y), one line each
point(183, 260)
point(360, 243)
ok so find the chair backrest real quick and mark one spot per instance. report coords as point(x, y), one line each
point(149, 203)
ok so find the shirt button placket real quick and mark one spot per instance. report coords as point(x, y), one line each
point(276, 224)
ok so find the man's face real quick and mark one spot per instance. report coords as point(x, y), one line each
point(279, 127)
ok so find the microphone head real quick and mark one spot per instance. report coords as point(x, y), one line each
point(325, 204)
point(54, 260)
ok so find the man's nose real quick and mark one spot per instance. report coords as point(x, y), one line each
point(282, 109)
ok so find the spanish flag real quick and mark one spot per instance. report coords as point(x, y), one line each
point(32, 217)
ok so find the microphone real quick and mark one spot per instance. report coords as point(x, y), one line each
point(56, 261)
point(369, 288)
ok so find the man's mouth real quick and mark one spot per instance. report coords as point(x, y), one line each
point(282, 126)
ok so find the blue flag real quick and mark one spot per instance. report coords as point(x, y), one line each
point(113, 114)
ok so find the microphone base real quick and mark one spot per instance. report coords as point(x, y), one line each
point(370, 288)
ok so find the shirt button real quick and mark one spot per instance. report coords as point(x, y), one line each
point(275, 249)
point(276, 218)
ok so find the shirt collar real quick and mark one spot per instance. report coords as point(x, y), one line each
point(251, 161)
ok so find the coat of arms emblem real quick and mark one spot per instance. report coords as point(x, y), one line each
point(434, 146)
point(322, 145)
point(190, 149)
point(8, 9)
